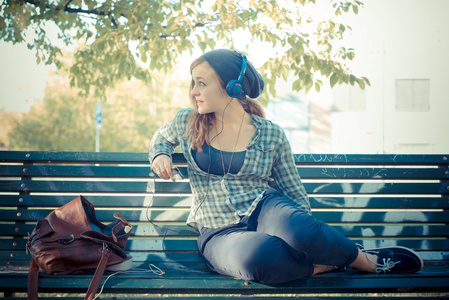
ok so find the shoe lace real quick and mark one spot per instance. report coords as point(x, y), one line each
point(387, 265)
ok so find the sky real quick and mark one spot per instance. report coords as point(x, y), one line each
point(22, 80)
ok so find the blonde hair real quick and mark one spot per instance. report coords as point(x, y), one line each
point(197, 130)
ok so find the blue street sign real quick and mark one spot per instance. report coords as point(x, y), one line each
point(98, 117)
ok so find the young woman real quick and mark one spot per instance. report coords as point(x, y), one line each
point(249, 205)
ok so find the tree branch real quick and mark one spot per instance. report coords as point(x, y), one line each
point(66, 8)
point(72, 10)
point(95, 12)
point(67, 4)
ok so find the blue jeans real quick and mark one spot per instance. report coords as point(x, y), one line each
point(278, 243)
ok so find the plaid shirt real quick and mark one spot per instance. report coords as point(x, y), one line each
point(220, 201)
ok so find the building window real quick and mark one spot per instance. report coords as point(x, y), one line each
point(348, 98)
point(412, 94)
point(414, 148)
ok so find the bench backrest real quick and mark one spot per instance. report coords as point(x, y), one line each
point(376, 200)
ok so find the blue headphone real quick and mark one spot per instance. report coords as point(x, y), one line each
point(235, 87)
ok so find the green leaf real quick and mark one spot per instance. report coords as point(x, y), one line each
point(272, 88)
point(285, 71)
point(144, 57)
point(366, 81)
point(361, 83)
point(352, 79)
point(333, 80)
point(308, 82)
point(297, 85)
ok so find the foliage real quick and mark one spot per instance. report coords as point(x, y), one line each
point(65, 121)
point(133, 39)
point(6, 118)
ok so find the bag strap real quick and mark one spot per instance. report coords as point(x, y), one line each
point(33, 277)
point(96, 280)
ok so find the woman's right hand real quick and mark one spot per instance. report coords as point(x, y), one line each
point(162, 166)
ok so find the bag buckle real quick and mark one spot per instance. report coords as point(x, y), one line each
point(105, 250)
point(67, 241)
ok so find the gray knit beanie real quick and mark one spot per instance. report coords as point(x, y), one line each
point(228, 64)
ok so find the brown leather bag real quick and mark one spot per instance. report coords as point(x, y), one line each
point(70, 240)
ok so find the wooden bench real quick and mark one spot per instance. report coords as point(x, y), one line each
point(376, 200)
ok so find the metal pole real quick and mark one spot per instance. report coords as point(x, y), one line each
point(97, 140)
point(98, 126)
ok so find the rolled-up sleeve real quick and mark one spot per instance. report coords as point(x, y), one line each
point(166, 138)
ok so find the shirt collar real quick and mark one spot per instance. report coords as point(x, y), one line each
point(257, 122)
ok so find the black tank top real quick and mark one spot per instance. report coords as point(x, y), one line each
point(216, 166)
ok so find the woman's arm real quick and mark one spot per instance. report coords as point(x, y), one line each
point(163, 143)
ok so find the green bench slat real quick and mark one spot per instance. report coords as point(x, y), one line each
point(161, 245)
point(356, 230)
point(16, 260)
point(77, 171)
point(383, 217)
point(187, 261)
point(159, 257)
point(143, 230)
point(48, 156)
point(94, 186)
point(322, 159)
point(76, 157)
point(379, 202)
point(139, 244)
point(184, 187)
point(98, 201)
point(145, 171)
point(181, 216)
point(393, 231)
point(372, 173)
point(184, 201)
point(376, 188)
point(103, 216)
point(441, 244)
point(205, 282)
point(367, 159)
point(193, 266)
point(149, 246)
